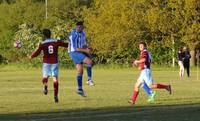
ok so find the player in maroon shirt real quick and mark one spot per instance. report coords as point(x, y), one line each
point(50, 60)
point(145, 76)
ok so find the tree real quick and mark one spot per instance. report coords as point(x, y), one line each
point(24, 20)
point(190, 33)
point(113, 28)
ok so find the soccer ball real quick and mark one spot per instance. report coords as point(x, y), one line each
point(17, 44)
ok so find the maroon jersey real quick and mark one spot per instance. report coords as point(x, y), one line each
point(50, 50)
point(146, 64)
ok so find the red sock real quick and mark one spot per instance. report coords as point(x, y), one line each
point(135, 94)
point(55, 84)
point(161, 86)
point(45, 80)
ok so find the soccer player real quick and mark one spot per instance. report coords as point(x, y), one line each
point(79, 51)
point(145, 77)
point(50, 60)
point(151, 94)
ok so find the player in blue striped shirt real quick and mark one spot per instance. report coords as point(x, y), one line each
point(79, 53)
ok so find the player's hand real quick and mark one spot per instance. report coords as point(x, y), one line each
point(87, 50)
point(132, 62)
point(29, 57)
point(135, 63)
point(39, 44)
point(90, 48)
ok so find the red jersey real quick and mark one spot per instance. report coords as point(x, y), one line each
point(50, 50)
point(146, 64)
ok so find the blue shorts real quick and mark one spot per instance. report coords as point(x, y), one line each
point(50, 70)
point(145, 76)
point(77, 57)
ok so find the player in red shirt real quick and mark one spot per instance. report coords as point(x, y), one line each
point(50, 60)
point(145, 76)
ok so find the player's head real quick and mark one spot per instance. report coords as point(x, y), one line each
point(46, 33)
point(185, 48)
point(79, 26)
point(142, 45)
point(180, 49)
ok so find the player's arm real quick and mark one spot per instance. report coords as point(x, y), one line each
point(142, 60)
point(37, 52)
point(84, 50)
point(62, 43)
point(136, 62)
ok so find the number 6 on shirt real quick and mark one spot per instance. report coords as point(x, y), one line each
point(50, 49)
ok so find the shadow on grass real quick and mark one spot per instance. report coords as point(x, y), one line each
point(131, 113)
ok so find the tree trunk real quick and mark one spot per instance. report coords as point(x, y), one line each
point(193, 58)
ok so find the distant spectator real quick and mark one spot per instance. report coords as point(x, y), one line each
point(180, 62)
point(198, 54)
point(186, 60)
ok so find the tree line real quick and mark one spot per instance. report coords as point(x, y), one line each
point(113, 27)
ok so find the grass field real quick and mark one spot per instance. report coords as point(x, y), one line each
point(21, 97)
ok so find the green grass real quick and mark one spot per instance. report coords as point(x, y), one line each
point(21, 97)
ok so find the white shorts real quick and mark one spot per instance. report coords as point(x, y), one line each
point(50, 70)
point(145, 76)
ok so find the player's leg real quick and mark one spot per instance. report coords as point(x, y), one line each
point(45, 83)
point(161, 86)
point(78, 58)
point(137, 85)
point(152, 85)
point(54, 69)
point(55, 85)
point(151, 94)
point(147, 77)
point(79, 68)
point(147, 89)
point(145, 84)
point(88, 63)
point(135, 91)
point(46, 73)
